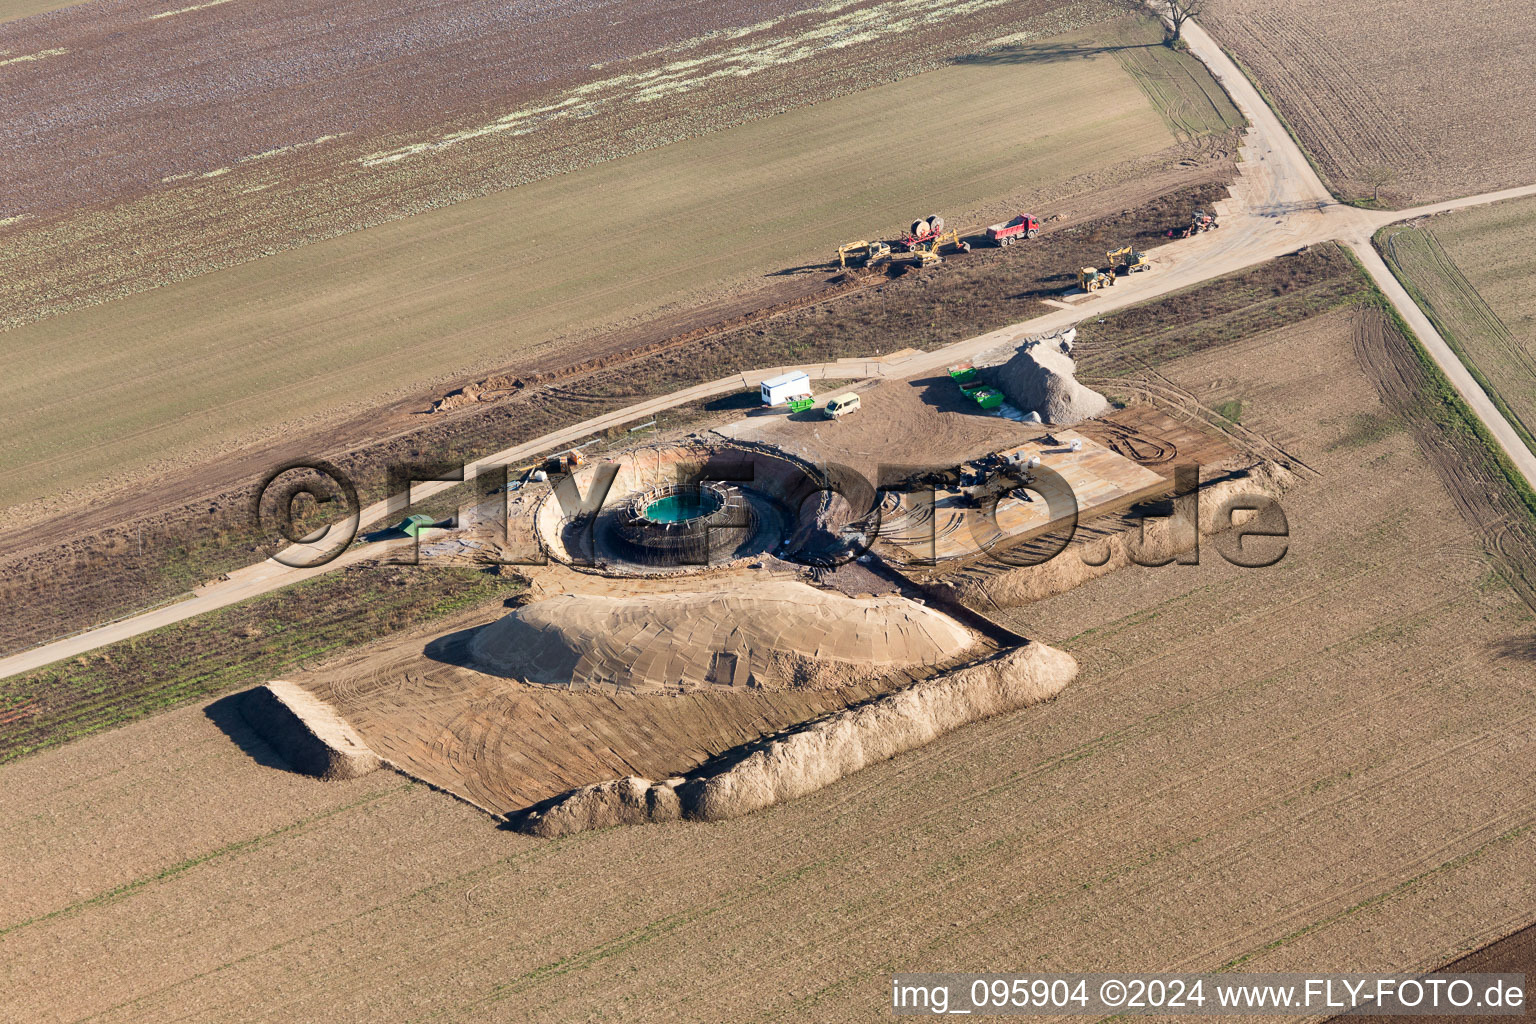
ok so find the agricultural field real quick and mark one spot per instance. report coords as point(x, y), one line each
point(1471, 270)
point(1254, 769)
point(293, 122)
point(728, 689)
point(308, 336)
point(1422, 99)
point(11, 10)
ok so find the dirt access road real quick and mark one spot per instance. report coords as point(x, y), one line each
point(1277, 205)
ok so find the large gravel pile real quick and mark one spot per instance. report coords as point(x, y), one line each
point(1042, 378)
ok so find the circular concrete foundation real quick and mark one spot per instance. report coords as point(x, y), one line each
point(689, 524)
point(682, 508)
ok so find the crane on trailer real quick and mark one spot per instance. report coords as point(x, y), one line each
point(929, 234)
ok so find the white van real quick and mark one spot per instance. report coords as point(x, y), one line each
point(842, 405)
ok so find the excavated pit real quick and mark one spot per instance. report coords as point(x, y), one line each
point(685, 507)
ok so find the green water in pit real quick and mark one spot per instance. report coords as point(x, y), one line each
point(681, 507)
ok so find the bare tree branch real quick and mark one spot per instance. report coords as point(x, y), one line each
point(1379, 175)
point(1180, 11)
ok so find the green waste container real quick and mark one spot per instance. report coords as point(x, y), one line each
point(988, 398)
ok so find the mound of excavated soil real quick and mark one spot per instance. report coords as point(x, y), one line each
point(1042, 378)
point(775, 634)
point(1157, 540)
point(820, 753)
point(306, 732)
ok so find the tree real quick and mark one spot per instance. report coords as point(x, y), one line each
point(1180, 11)
point(1379, 176)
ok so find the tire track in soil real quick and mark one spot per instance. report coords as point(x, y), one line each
point(1166, 395)
point(1345, 112)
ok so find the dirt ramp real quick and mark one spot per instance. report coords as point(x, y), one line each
point(819, 753)
point(768, 635)
point(307, 732)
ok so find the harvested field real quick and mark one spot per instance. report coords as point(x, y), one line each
point(1352, 78)
point(1383, 818)
point(303, 338)
point(1471, 272)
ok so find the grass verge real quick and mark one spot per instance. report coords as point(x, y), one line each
point(1444, 406)
point(1223, 311)
point(231, 648)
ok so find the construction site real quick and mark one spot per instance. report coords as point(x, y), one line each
point(721, 619)
point(544, 511)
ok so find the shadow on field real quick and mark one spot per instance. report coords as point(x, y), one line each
point(453, 649)
point(225, 713)
point(942, 393)
point(1044, 53)
point(1522, 648)
point(746, 401)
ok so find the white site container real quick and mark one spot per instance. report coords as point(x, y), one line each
point(780, 389)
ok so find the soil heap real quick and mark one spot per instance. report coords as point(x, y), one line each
point(1041, 377)
point(771, 635)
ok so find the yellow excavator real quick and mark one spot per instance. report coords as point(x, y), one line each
point(1128, 257)
point(862, 254)
point(925, 251)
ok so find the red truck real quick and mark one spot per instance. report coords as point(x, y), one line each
point(1008, 232)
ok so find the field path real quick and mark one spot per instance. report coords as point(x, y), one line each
point(1278, 204)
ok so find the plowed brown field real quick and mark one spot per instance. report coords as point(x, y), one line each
point(1322, 763)
point(1437, 91)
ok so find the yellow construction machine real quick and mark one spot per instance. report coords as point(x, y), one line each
point(918, 259)
point(1128, 257)
point(1091, 279)
point(950, 238)
point(564, 462)
point(862, 253)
